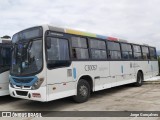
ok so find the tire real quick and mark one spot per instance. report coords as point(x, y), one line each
point(83, 91)
point(139, 80)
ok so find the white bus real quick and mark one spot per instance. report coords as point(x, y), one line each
point(5, 61)
point(49, 63)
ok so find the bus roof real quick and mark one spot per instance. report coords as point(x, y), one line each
point(77, 32)
point(82, 33)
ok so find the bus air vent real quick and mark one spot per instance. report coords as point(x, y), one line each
point(22, 93)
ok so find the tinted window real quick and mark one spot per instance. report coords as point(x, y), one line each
point(98, 49)
point(80, 53)
point(79, 48)
point(136, 48)
point(153, 55)
point(126, 47)
point(113, 46)
point(97, 44)
point(137, 56)
point(115, 54)
point(59, 49)
point(126, 51)
point(114, 50)
point(145, 52)
point(98, 54)
point(137, 52)
point(79, 42)
point(5, 58)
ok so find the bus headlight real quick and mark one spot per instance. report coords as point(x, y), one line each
point(37, 84)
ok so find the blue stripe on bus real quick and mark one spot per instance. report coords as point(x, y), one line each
point(13, 80)
point(122, 68)
point(74, 73)
point(101, 36)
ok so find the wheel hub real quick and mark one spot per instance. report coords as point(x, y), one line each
point(83, 91)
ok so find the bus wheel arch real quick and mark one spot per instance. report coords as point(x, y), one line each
point(84, 87)
point(140, 71)
point(89, 80)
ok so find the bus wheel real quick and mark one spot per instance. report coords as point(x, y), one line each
point(139, 79)
point(83, 91)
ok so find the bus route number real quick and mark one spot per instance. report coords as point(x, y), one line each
point(90, 67)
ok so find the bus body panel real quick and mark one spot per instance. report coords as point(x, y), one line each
point(98, 71)
point(154, 67)
point(123, 71)
point(145, 67)
point(4, 83)
point(59, 82)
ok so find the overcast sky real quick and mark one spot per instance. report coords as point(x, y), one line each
point(137, 21)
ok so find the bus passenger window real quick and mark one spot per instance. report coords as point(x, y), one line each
point(145, 53)
point(79, 48)
point(58, 53)
point(114, 50)
point(126, 51)
point(137, 52)
point(98, 49)
point(153, 54)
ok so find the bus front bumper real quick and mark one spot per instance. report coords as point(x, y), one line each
point(36, 95)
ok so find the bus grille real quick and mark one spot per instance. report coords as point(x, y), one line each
point(22, 93)
point(26, 80)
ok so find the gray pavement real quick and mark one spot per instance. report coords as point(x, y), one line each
point(123, 98)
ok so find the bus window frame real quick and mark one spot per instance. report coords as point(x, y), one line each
point(46, 54)
point(130, 59)
point(109, 58)
point(155, 59)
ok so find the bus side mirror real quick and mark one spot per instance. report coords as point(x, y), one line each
point(48, 44)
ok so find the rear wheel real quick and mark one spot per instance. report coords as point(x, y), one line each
point(83, 91)
point(139, 79)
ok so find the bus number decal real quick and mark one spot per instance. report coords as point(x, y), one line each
point(90, 67)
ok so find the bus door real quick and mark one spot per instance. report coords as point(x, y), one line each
point(59, 68)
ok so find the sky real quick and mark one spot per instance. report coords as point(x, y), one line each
point(136, 21)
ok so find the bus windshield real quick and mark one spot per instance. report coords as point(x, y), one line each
point(26, 54)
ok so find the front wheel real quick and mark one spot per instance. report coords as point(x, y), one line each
point(83, 91)
point(139, 79)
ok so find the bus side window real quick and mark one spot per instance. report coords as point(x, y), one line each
point(153, 54)
point(145, 53)
point(79, 48)
point(137, 52)
point(58, 53)
point(114, 50)
point(126, 51)
point(98, 49)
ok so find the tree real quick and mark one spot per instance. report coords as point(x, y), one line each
point(6, 37)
